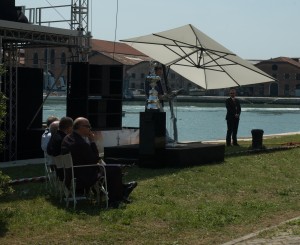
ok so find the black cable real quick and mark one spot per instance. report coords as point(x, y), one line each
point(56, 10)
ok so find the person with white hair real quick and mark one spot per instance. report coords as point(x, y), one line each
point(47, 134)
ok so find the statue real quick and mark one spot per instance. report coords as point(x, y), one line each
point(152, 102)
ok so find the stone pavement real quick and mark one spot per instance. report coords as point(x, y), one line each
point(279, 237)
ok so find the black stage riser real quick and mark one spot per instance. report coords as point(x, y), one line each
point(182, 155)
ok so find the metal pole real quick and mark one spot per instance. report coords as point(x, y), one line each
point(173, 117)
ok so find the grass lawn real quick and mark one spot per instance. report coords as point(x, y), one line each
point(205, 204)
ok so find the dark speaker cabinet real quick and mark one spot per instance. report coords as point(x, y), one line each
point(28, 95)
point(28, 121)
point(29, 98)
point(8, 10)
point(152, 139)
point(95, 92)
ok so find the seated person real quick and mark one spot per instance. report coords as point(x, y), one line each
point(65, 127)
point(47, 134)
point(52, 131)
point(81, 145)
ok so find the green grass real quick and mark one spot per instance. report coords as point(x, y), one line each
point(208, 204)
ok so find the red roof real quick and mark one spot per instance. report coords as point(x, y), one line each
point(114, 47)
point(120, 52)
point(283, 60)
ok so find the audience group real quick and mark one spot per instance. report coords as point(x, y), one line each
point(67, 136)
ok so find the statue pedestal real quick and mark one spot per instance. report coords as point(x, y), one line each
point(152, 134)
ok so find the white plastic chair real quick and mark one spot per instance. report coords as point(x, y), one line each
point(59, 182)
point(100, 186)
point(50, 173)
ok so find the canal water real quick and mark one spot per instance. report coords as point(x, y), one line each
point(206, 121)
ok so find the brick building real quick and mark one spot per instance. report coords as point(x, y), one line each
point(286, 71)
point(54, 60)
point(136, 64)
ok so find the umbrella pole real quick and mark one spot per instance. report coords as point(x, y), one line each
point(173, 118)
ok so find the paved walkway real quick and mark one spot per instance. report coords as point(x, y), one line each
point(281, 236)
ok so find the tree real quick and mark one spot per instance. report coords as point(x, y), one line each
point(2, 110)
point(5, 188)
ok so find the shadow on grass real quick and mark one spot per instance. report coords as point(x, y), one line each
point(247, 149)
point(5, 215)
point(87, 207)
point(44, 202)
point(26, 191)
point(3, 227)
point(137, 173)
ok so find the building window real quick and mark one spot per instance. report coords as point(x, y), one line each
point(286, 75)
point(298, 76)
point(142, 86)
point(274, 67)
point(142, 75)
point(45, 56)
point(52, 56)
point(286, 90)
point(133, 75)
point(132, 85)
point(35, 59)
point(63, 59)
point(261, 90)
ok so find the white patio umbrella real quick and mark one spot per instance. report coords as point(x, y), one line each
point(200, 59)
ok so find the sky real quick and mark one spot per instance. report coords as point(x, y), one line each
point(252, 29)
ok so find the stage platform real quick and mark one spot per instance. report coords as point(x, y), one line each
point(173, 155)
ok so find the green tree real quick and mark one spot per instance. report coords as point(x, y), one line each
point(4, 179)
point(2, 110)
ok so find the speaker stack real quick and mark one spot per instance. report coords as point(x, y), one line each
point(95, 92)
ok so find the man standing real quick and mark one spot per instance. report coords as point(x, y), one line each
point(233, 117)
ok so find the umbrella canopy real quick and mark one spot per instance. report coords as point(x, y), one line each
point(199, 58)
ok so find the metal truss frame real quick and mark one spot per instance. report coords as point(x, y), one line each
point(37, 37)
point(13, 37)
point(10, 89)
point(80, 16)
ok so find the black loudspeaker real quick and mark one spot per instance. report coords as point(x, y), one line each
point(78, 80)
point(77, 107)
point(8, 10)
point(95, 92)
point(152, 138)
point(29, 98)
point(29, 144)
point(28, 121)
